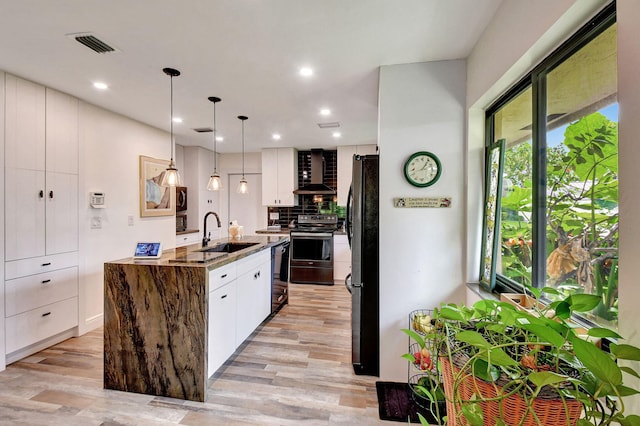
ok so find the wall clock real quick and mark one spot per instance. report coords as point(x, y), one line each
point(422, 169)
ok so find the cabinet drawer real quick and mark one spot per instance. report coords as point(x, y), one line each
point(254, 261)
point(33, 291)
point(32, 326)
point(38, 265)
point(187, 239)
point(222, 275)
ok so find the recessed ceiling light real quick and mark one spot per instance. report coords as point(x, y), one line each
point(325, 111)
point(337, 135)
point(276, 136)
point(100, 85)
point(177, 120)
point(306, 71)
point(219, 138)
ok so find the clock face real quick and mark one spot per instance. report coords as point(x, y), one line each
point(422, 169)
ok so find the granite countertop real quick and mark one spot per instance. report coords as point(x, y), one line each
point(192, 256)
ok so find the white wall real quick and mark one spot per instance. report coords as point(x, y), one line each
point(110, 146)
point(421, 108)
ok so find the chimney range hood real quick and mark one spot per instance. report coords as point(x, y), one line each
point(317, 186)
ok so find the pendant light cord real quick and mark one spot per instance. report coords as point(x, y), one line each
point(171, 119)
point(215, 146)
point(242, 148)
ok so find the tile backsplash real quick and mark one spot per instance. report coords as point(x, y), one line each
point(306, 204)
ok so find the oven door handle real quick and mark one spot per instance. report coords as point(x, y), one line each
point(347, 282)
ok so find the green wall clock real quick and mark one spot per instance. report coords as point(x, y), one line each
point(422, 169)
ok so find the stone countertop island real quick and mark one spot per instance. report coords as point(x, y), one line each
point(156, 319)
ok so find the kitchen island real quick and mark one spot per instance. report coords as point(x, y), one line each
point(170, 323)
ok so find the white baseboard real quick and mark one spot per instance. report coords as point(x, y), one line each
point(91, 324)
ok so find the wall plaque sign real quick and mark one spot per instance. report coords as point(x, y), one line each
point(431, 202)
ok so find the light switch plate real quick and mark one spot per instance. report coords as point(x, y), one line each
point(96, 222)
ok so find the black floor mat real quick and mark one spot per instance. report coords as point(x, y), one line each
point(395, 403)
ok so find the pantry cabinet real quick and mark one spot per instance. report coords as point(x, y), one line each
point(41, 171)
point(41, 215)
point(279, 177)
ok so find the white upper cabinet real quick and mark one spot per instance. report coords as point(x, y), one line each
point(61, 132)
point(24, 124)
point(345, 167)
point(279, 176)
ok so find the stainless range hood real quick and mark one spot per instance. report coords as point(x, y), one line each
point(317, 186)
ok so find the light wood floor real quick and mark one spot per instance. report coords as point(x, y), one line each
point(295, 369)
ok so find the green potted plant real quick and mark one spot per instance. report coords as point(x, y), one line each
point(505, 366)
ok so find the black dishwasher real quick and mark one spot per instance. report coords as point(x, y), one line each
point(280, 276)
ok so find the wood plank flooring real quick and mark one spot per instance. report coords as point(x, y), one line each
point(294, 370)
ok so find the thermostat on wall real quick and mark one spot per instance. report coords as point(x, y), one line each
point(96, 200)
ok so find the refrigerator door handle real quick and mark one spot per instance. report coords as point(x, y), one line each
point(347, 283)
point(349, 224)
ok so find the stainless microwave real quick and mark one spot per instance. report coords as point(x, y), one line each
point(181, 198)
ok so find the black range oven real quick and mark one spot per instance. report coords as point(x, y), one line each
point(311, 258)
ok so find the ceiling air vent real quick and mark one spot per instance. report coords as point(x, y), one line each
point(92, 42)
point(203, 129)
point(331, 125)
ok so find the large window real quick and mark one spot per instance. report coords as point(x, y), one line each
point(559, 199)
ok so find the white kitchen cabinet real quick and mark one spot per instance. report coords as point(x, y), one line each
point(239, 300)
point(38, 324)
point(61, 132)
point(41, 171)
point(222, 326)
point(33, 291)
point(279, 177)
point(254, 293)
point(187, 239)
point(24, 124)
point(345, 167)
point(341, 258)
point(41, 216)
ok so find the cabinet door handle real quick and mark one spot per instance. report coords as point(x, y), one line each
point(46, 264)
point(41, 193)
point(46, 281)
point(256, 275)
point(223, 276)
point(46, 314)
point(223, 296)
point(51, 194)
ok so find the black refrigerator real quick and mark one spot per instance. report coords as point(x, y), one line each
point(363, 282)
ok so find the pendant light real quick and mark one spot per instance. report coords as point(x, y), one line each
point(171, 175)
point(214, 181)
point(243, 187)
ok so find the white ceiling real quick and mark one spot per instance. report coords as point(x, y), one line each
point(246, 52)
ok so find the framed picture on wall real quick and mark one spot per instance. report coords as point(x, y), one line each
point(491, 218)
point(155, 200)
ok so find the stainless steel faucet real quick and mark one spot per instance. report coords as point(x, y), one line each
point(206, 238)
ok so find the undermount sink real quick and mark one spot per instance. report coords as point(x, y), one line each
point(228, 247)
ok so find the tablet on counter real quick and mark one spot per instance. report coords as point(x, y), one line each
point(148, 250)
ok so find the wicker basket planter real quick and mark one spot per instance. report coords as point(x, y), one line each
point(549, 410)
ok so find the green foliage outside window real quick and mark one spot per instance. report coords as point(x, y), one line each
point(581, 215)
